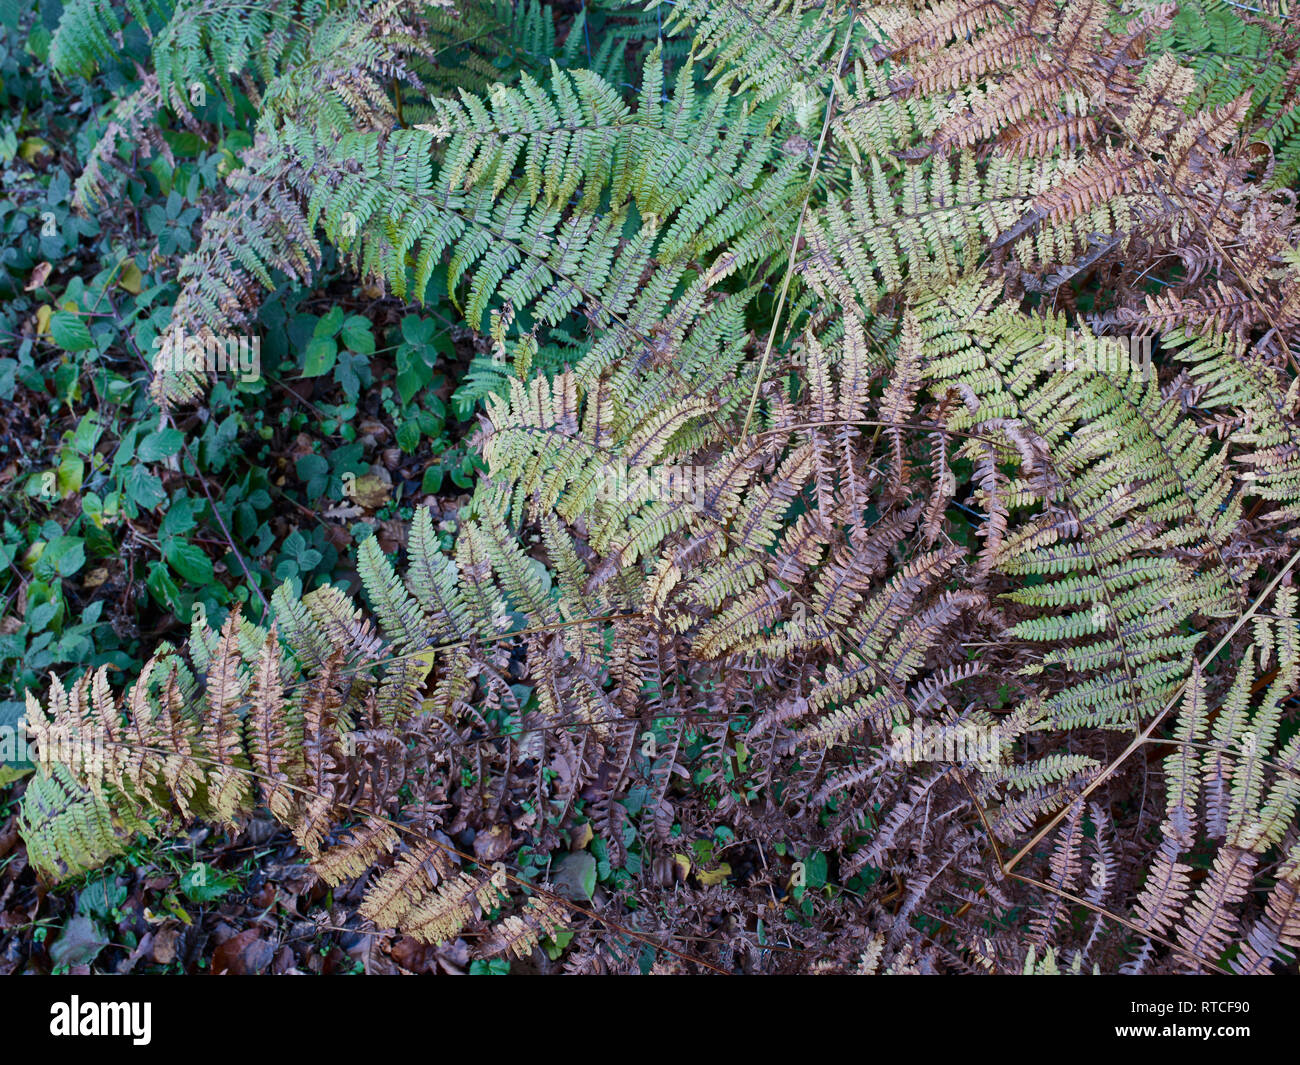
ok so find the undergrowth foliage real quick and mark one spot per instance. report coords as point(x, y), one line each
point(821, 258)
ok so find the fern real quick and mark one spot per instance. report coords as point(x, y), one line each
point(891, 517)
point(690, 170)
point(68, 828)
point(90, 31)
point(1234, 56)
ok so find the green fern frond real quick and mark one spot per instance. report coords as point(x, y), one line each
point(69, 829)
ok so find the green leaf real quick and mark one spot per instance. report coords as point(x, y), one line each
point(815, 870)
point(40, 616)
point(330, 324)
point(203, 883)
point(70, 332)
point(143, 488)
point(432, 482)
point(164, 589)
point(160, 445)
point(190, 562)
point(555, 947)
point(408, 384)
point(313, 470)
point(63, 556)
point(87, 433)
point(322, 353)
point(357, 335)
point(179, 518)
point(101, 895)
point(71, 472)
point(71, 560)
point(408, 436)
point(418, 331)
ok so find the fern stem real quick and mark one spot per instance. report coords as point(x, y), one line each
point(798, 231)
point(1146, 733)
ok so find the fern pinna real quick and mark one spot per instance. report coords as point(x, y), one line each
point(824, 480)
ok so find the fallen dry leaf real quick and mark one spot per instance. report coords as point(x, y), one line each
point(343, 510)
point(413, 956)
point(242, 954)
point(492, 844)
point(371, 490)
point(131, 279)
point(375, 430)
point(39, 276)
point(164, 946)
point(714, 876)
